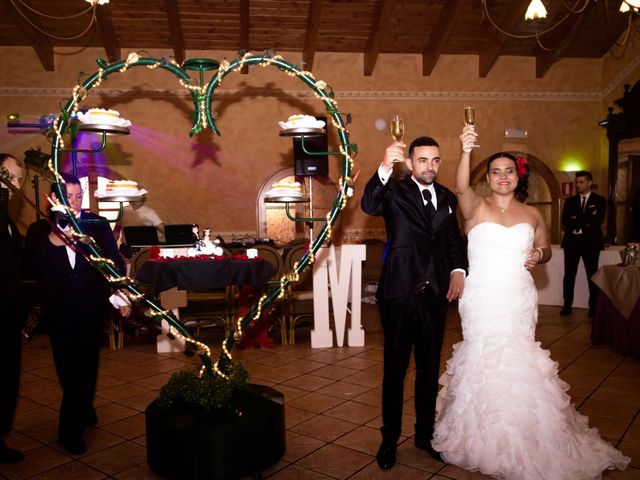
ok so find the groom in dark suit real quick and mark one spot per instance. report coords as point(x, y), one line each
point(582, 217)
point(423, 268)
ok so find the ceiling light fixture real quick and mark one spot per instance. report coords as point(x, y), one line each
point(627, 5)
point(92, 8)
point(536, 10)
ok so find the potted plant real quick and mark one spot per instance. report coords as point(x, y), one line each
point(203, 426)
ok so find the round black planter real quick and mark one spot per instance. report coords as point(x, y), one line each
point(184, 443)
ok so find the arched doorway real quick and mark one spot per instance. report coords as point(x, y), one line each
point(544, 191)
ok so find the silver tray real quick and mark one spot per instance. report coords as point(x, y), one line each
point(287, 199)
point(306, 131)
point(103, 127)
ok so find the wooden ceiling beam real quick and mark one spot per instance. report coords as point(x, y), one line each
point(440, 34)
point(376, 35)
point(108, 33)
point(175, 29)
point(41, 44)
point(545, 59)
point(313, 27)
point(489, 55)
point(244, 30)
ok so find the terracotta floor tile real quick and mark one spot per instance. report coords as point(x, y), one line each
point(128, 428)
point(324, 428)
point(334, 372)
point(296, 472)
point(37, 460)
point(336, 461)
point(315, 402)
point(343, 390)
point(121, 392)
point(140, 402)
point(363, 439)
point(71, 470)
point(294, 416)
point(113, 412)
point(118, 458)
point(398, 472)
point(309, 382)
point(353, 412)
point(299, 446)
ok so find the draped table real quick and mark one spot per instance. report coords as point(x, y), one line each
point(171, 279)
point(617, 316)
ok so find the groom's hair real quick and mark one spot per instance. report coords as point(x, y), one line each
point(522, 189)
point(422, 142)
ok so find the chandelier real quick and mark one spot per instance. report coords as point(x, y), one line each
point(537, 11)
point(93, 4)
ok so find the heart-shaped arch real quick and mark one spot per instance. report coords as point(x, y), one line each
point(202, 96)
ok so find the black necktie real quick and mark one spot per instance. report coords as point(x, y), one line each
point(431, 211)
point(582, 203)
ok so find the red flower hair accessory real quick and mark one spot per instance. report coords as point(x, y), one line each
point(521, 166)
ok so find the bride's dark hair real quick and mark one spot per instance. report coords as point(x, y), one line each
point(522, 168)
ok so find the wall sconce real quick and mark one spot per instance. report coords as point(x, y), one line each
point(13, 117)
point(516, 133)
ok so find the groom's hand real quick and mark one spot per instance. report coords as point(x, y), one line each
point(456, 286)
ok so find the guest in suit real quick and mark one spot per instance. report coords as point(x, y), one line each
point(11, 171)
point(423, 268)
point(582, 217)
point(74, 302)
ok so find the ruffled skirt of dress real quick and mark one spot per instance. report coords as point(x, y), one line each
point(504, 411)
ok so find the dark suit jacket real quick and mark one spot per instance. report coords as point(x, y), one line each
point(10, 254)
point(412, 241)
point(589, 221)
point(69, 294)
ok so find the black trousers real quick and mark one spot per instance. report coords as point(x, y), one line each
point(76, 353)
point(590, 256)
point(413, 322)
point(10, 343)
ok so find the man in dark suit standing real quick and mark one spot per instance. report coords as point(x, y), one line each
point(582, 217)
point(74, 303)
point(11, 171)
point(423, 268)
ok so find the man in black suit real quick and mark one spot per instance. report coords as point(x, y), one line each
point(74, 303)
point(10, 252)
point(423, 268)
point(582, 217)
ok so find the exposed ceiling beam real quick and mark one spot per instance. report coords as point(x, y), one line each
point(108, 33)
point(492, 51)
point(313, 26)
point(244, 30)
point(376, 35)
point(440, 34)
point(175, 29)
point(40, 43)
point(559, 40)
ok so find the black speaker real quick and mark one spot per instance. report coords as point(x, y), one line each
point(307, 165)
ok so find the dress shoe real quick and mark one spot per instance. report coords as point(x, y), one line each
point(9, 455)
point(565, 311)
point(386, 456)
point(73, 446)
point(426, 446)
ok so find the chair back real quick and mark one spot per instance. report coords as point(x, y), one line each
point(292, 256)
point(272, 256)
point(138, 260)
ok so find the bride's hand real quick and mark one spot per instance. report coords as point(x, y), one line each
point(468, 138)
point(533, 258)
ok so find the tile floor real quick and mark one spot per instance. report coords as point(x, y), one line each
point(332, 399)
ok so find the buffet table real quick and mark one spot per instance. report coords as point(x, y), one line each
point(171, 279)
point(617, 316)
point(548, 277)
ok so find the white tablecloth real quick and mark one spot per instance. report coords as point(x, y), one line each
point(548, 277)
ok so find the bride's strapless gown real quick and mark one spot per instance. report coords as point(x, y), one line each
point(502, 409)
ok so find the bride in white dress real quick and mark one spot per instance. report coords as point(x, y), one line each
point(502, 409)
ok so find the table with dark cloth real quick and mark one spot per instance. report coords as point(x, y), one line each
point(194, 275)
point(617, 315)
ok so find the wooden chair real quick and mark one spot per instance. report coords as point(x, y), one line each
point(274, 257)
point(298, 304)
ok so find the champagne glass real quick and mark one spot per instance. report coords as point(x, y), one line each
point(470, 119)
point(397, 128)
